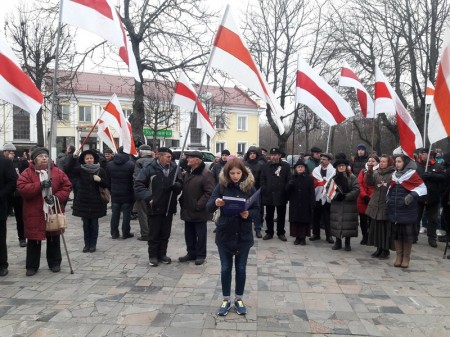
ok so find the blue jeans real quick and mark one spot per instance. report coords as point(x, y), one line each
point(195, 237)
point(240, 264)
point(90, 229)
point(115, 218)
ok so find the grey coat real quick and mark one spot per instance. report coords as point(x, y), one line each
point(344, 214)
point(380, 179)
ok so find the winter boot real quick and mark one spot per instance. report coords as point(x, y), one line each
point(347, 245)
point(399, 249)
point(337, 245)
point(406, 254)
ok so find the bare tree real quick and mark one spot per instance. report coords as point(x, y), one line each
point(166, 35)
point(33, 32)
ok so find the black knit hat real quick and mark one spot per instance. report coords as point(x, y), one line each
point(225, 152)
point(89, 151)
point(341, 158)
point(315, 149)
point(37, 151)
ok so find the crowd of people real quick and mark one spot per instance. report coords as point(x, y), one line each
point(388, 199)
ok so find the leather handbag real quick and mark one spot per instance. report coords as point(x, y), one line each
point(56, 220)
point(105, 194)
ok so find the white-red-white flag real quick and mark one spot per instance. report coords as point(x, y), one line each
point(313, 91)
point(429, 92)
point(439, 120)
point(15, 86)
point(105, 135)
point(113, 116)
point(349, 79)
point(185, 97)
point(332, 189)
point(387, 101)
point(230, 54)
point(99, 17)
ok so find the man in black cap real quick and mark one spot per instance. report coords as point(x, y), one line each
point(217, 168)
point(155, 185)
point(360, 160)
point(274, 178)
point(434, 178)
point(314, 159)
point(198, 184)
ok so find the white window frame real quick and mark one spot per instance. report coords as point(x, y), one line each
point(240, 119)
point(239, 145)
point(84, 113)
point(220, 146)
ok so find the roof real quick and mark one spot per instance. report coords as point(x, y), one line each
point(107, 85)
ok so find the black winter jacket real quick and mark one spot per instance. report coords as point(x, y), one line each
point(434, 180)
point(120, 178)
point(274, 178)
point(300, 191)
point(234, 233)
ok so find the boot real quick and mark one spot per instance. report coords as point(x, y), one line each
point(406, 254)
point(399, 249)
point(377, 252)
point(337, 245)
point(347, 245)
point(384, 254)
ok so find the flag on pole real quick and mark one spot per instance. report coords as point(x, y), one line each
point(439, 120)
point(105, 135)
point(312, 90)
point(429, 92)
point(99, 17)
point(185, 97)
point(230, 54)
point(15, 86)
point(349, 79)
point(387, 101)
point(113, 116)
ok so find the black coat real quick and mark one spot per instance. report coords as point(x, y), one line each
point(88, 202)
point(152, 185)
point(255, 166)
point(8, 178)
point(358, 164)
point(300, 191)
point(120, 178)
point(273, 183)
point(434, 180)
point(233, 233)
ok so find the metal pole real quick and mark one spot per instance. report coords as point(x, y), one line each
point(329, 136)
point(428, 158)
point(67, 253)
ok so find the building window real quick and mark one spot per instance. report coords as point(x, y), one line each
point(84, 114)
point(220, 147)
point(196, 136)
point(242, 148)
point(219, 122)
point(242, 123)
point(21, 124)
point(63, 113)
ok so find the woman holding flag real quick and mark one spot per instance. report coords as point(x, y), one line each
point(405, 189)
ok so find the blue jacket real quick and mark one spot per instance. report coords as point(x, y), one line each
point(234, 233)
point(120, 179)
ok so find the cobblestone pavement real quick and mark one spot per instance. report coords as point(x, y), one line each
point(291, 291)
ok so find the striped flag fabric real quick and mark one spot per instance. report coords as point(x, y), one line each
point(439, 120)
point(99, 17)
point(429, 92)
point(105, 135)
point(230, 54)
point(113, 116)
point(332, 189)
point(313, 91)
point(387, 101)
point(15, 86)
point(185, 97)
point(410, 181)
point(349, 79)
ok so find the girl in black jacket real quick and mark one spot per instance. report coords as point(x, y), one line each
point(234, 235)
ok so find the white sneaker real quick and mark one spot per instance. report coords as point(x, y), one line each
point(422, 230)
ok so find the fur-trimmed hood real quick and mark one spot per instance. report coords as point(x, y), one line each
point(245, 185)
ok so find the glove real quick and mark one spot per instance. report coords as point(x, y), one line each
point(426, 175)
point(339, 197)
point(96, 178)
point(76, 154)
point(409, 199)
point(49, 200)
point(176, 188)
point(46, 183)
point(366, 199)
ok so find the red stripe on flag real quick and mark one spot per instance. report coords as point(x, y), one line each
point(123, 51)
point(429, 92)
point(231, 43)
point(111, 108)
point(183, 90)
point(100, 6)
point(18, 79)
point(407, 137)
point(362, 99)
point(305, 83)
point(345, 72)
point(442, 99)
point(381, 90)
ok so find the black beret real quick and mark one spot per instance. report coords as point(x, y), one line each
point(165, 149)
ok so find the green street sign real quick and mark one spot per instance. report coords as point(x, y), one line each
point(160, 133)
